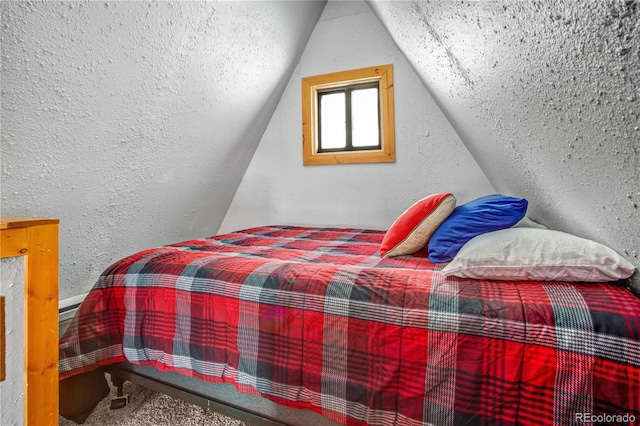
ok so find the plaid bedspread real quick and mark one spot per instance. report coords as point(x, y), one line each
point(314, 318)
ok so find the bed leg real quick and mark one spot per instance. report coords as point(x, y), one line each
point(121, 399)
point(81, 394)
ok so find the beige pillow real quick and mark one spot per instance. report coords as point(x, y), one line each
point(412, 229)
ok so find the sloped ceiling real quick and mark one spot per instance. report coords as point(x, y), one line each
point(133, 122)
point(430, 157)
point(546, 97)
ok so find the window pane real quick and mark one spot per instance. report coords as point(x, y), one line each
point(332, 121)
point(364, 116)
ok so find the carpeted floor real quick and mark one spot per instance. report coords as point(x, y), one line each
point(149, 408)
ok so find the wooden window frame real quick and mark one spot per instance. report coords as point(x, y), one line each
point(383, 75)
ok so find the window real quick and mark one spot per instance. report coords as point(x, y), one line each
point(348, 117)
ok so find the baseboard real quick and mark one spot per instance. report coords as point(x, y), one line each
point(67, 308)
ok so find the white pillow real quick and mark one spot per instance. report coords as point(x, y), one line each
point(527, 222)
point(539, 255)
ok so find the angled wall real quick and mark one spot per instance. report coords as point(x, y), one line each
point(133, 122)
point(546, 97)
point(278, 189)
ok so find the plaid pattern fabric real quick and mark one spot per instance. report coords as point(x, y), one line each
point(314, 318)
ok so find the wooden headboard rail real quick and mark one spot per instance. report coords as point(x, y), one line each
point(37, 240)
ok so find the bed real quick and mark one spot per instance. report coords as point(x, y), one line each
point(312, 325)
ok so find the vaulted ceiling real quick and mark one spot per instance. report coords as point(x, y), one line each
point(545, 96)
point(134, 122)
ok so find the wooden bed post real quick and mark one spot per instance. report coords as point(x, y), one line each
point(37, 241)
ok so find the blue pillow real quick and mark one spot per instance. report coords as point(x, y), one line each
point(486, 214)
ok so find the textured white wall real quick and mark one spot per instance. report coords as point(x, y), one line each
point(133, 122)
point(277, 189)
point(545, 95)
point(12, 388)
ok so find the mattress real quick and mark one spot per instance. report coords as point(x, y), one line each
point(313, 317)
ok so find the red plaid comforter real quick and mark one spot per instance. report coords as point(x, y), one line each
point(313, 317)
